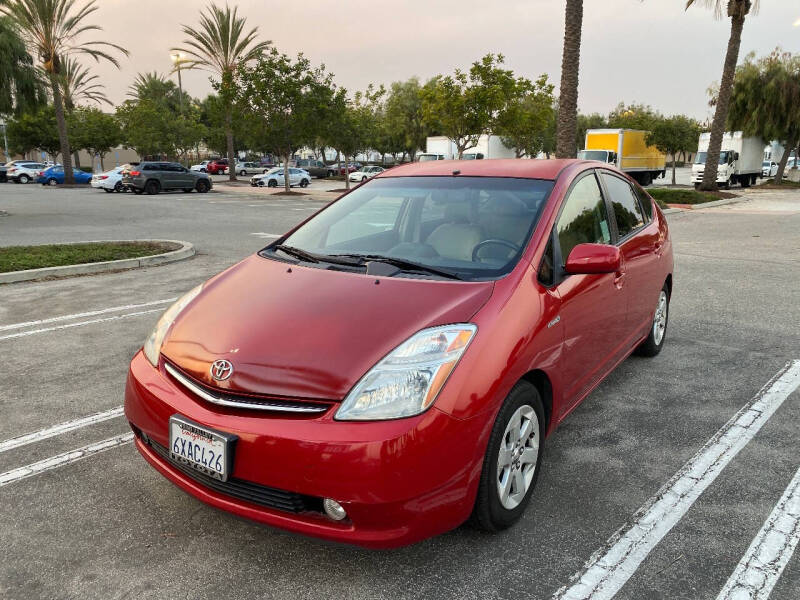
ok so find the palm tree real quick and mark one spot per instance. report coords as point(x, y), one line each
point(51, 29)
point(568, 94)
point(220, 45)
point(156, 88)
point(737, 10)
point(78, 85)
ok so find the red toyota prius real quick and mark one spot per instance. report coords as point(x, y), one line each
point(392, 366)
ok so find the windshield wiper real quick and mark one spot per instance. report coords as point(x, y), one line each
point(403, 264)
point(314, 258)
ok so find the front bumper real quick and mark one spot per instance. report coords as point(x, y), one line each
point(399, 481)
point(697, 177)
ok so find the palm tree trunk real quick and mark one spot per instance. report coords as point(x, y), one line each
point(61, 124)
point(229, 141)
point(782, 164)
point(568, 94)
point(723, 103)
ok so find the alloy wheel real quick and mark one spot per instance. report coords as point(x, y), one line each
point(519, 452)
point(660, 319)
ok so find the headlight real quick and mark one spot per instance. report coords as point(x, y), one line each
point(152, 345)
point(407, 381)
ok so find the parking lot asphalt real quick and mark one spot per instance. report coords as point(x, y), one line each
point(109, 526)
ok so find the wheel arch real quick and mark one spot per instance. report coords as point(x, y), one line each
point(544, 386)
point(668, 283)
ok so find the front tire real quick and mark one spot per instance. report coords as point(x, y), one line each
point(272, 183)
point(201, 186)
point(303, 183)
point(23, 179)
point(242, 172)
point(658, 330)
point(52, 181)
point(512, 461)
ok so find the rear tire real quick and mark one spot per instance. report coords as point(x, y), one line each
point(52, 181)
point(363, 179)
point(518, 433)
point(118, 187)
point(242, 172)
point(152, 187)
point(107, 191)
point(658, 329)
point(23, 179)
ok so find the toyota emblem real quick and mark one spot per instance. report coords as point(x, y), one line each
point(221, 370)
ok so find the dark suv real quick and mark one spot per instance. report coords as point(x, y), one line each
point(315, 168)
point(154, 177)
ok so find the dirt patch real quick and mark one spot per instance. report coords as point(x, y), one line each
point(285, 193)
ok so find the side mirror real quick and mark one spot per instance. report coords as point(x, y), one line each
point(735, 156)
point(593, 258)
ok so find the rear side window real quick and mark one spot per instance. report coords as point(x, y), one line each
point(584, 218)
point(645, 201)
point(627, 211)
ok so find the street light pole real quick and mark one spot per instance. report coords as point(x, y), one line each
point(177, 58)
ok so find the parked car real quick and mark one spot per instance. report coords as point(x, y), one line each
point(316, 168)
point(246, 168)
point(3, 173)
point(365, 173)
point(218, 166)
point(200, 167)
point(110, 181)
point(468, 305)
point(769, 168)
point(274, 178)
point(24, 172)
point(155, 177)
point(55, 175)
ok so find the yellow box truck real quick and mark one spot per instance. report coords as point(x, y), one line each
point(627, 150)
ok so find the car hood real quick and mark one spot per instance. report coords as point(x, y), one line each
point(308, 332)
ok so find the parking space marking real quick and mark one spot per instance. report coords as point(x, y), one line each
point(78, 324)
point(54, 430)
point(63, 459)
point(611, 566)
point(91, 313)
point(768, 554)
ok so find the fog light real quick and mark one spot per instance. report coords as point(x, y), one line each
point(333, 509)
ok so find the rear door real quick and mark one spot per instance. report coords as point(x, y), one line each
point(638, 241)
point(592, 306)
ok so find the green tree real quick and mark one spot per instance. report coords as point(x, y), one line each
point(524, 123)
point(147, 128)
point(156, 88)
point(466, 105)
point(292, 98)
point(737, 11)
point(672, 135)
point(568, 92)
point(221, 46)
point(53, 28)
point(405, 120)
point(765, 101)
point(20, 89)
point(95, 131)
point(633, 116)
point(352, 124)
point(36, 130)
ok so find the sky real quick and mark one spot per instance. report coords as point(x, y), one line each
point(646, 51)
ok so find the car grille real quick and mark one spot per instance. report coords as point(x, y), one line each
point(241, 489)
point(242, 401)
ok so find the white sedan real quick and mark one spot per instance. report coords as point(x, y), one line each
point(365, 173)
point(110, 181)
point(274, 178)
point(201, 167)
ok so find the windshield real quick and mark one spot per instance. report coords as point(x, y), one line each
point(601, 155)
point(701, 157)
point(474, 228)
point(427, 157)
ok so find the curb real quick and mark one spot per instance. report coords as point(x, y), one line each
point(714, 203)
point(185, 251)
point(671, 211)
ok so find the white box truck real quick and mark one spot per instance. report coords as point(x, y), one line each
point(740, 159)
point(439, 147)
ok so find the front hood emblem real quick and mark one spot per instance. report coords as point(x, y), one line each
point(221, 370)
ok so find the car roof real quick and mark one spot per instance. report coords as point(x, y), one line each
point(496, 167)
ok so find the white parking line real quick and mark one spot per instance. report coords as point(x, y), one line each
point(612, 565)
point(63, 459)
point(766, 558)
point(91, 313)
point(54, 430)
point(78, 324)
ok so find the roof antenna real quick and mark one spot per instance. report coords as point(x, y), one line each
point(456, 172)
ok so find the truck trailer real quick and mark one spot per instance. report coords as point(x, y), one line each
point(740, 159)
point(439, 147)
point(627, 150)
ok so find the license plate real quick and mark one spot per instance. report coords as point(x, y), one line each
point(204, 449)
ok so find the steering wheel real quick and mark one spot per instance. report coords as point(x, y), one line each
point(498, 242)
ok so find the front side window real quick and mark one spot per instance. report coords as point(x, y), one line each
point(583, 218)
point(473, 228)
point(627, 211)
